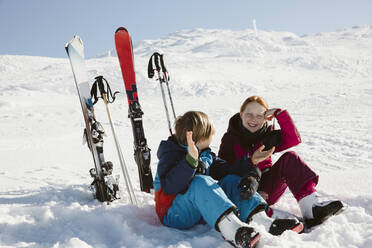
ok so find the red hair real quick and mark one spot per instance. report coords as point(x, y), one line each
point(256, 99)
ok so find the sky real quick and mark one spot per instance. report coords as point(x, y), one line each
point(42, 27)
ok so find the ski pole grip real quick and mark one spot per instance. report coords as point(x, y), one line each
point(100, 84)
point(162, 64)
point(156, 60)
point(150, 67)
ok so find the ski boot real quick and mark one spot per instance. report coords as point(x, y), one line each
point(278, 224)
point(315, 211)
point(236, 232)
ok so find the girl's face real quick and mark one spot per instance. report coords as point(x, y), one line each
point(253, 116)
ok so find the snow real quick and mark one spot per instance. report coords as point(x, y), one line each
point(324, 80)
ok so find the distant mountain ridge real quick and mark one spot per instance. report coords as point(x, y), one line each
point(220, 42)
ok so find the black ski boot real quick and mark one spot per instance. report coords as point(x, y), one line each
point(316, 210)
point(246, 237)
point(322, 211)
point(280, 225)
point(280, 222)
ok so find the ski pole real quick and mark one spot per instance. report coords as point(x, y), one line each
point(166, 78)
point(128, 183)
point(155, 59)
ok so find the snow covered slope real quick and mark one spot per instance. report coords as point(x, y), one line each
point(324, 80)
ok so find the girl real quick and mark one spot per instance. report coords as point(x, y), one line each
point(248, 130)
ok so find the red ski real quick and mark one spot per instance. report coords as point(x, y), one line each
point(142, 154)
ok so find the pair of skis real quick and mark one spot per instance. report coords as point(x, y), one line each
point(104, 185)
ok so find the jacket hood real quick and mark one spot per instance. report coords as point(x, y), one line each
point(170, 145)
point(235, 125)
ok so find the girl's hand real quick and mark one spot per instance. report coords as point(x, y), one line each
point(193, 151)
point(269, 114)
point(259, 155)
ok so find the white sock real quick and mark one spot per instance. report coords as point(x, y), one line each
point(306, 205)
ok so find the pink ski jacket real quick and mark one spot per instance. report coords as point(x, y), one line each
point(238, 142)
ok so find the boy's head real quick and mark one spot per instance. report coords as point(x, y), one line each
point(195, 121)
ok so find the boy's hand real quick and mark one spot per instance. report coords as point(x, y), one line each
point(248, 187)
point(259, 155)
point(193, 151)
